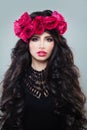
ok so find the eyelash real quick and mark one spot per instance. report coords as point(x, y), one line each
point(49, 39)
point(34, 39)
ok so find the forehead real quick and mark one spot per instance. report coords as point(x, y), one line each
point(45, 34)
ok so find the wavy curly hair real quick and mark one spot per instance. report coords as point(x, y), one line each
point(62, 76)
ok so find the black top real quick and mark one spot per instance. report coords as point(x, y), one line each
point(39, 104)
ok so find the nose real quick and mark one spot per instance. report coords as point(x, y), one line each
point(41, 44)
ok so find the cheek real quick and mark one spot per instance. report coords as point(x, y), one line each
point(50, 48)
point(32, 49)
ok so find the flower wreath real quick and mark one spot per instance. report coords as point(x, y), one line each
point(25, 27)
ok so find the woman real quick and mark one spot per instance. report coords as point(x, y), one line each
point(41, 89)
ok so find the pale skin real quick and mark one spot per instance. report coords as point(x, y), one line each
point(40, 47)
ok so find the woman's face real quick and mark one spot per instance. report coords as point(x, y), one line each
point(41, 46)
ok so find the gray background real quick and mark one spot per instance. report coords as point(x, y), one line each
point(75, 12)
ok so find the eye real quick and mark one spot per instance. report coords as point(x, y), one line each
point(49, 39)
point(34, 39)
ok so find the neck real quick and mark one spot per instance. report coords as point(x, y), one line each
point(39, 66)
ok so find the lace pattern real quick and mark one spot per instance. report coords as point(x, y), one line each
point(35, 83)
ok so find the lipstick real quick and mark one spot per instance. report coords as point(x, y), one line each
point(41, 53)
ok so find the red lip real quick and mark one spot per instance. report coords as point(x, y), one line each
point(41, 53)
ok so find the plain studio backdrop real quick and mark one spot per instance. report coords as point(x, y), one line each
point(75, 13)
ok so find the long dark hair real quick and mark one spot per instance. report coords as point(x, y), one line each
point(62, 77)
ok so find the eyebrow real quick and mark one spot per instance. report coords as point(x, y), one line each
point(39, 36)
point(48, 37)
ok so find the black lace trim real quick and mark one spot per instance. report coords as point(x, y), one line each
point(35, 82)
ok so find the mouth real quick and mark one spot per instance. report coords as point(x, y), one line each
point(41, 53)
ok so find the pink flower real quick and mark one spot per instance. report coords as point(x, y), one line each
point(24, 20)
point(50, 22)
point(21, 24)
point(25, 27)
point(58, 16)
point(17, 28)
point(38, 24)
point(62, 25)
point(27, 33)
